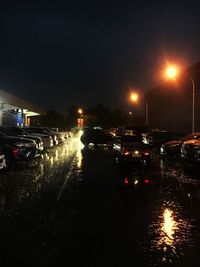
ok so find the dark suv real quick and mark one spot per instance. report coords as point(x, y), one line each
point(96, 137)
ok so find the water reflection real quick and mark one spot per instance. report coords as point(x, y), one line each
point(168, 228)
point(170, 234)
point(79, 155)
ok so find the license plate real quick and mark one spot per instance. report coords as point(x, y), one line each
point(134, 155)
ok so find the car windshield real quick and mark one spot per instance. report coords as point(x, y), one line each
point(131, 138)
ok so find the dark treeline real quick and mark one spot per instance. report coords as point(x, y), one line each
point(97, 116)
point(94, 116)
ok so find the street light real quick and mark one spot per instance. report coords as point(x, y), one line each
point(172, 72)
point(80, 111)
point(134, 97)
point(146, 113)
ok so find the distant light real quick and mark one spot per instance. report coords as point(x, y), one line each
point(136, 152)
point(146, 181)
point(136, 182)
point(146, 153)
point(80, 111)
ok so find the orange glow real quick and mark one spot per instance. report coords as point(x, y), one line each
point(80, 111)
point(134, 97)
point(80, 122)
point(172, 72)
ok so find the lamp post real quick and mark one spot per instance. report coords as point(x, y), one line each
point(193, 103)
point(171, 73)
point(146, 113)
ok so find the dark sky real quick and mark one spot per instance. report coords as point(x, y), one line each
point(90, 52)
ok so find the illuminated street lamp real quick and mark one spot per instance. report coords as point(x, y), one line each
point(80, 111)
point(134, 97)
point(171, 73)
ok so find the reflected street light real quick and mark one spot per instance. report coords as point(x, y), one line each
point(171, 73)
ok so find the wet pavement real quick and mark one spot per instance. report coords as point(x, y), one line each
point(76, 207)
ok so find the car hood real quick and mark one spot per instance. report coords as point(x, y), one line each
point(174, 142)
point(192, 142)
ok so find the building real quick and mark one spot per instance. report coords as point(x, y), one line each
point(16, 111)
point(170, 105)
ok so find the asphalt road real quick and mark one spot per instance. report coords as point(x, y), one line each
point(75, 207)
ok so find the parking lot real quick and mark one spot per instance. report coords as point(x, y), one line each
point(75, 205)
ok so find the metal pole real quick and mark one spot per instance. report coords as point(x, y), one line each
point(193, 104)
point(146, 113)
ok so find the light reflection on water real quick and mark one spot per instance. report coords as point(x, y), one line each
point(168, 228)
point(170, 234)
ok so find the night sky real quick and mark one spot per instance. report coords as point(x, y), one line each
point(90, 52)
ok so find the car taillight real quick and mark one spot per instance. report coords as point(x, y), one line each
point(146, 181)
point(126, 181)
point(15, 151)
point(125, 152)
point(146, 154)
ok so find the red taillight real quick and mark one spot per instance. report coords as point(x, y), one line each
point(126, 181)
point(15, 151)
point(146, 181)
point(146, 153)
point(125, 152)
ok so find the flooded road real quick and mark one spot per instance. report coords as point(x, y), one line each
point(76, 206)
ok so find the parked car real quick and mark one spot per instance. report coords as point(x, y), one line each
point(46, 139)
point(51, 138)
point(17, 131)
point(156, 138)
point(131, 149)
point(191, 149)
point(96, 136)
point(17, 148)
point(173, 148)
